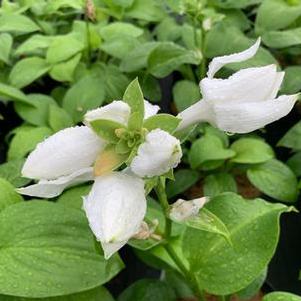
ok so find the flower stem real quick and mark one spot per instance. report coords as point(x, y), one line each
point(161, 193)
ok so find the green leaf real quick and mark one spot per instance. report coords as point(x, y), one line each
point(63, 48)
point(148, 290)
point(282, 39)
point(281, 296)
point(64, 71)
point(6, 42)
point(37, 112)
point(73, 197)
point(14, 94)
point(34, 44)
point(218, 183)
point(185, 93)
point(136, 58)
point(8, 194)
point(47, 230)
point(133, 96)
point(59, 118)
point(292, 80)
point(254, 287)
point(184, 179)
point(151, 88)
point(97, 294)
point(275, 179)
point(221, 268)
point(165, 122)
point(117, 29)
point(167, 57)
point(150, 10)
point(86, 94)
point(292, 139)
point(208, 149)
point(251, 151)
point(17, 23)
point(276, 14)
point(208, 222)
point(25, 140)
point(106, 129)
point(11, 171)
point(28, 70)
point(119, 46)
point(294, 163)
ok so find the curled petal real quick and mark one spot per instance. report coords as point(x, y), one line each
point(115, 208)
point(182, 210)
point(251, 84)
point(150, 109)
point(117, 110)
point(218, 62)
point(63, 153)
point(247, 117)
point(53, 188)
point(157, 155)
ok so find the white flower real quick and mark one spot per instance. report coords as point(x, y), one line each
point(183, 210)
point(118, 111)
point(62, 160)
point(242, 103)
point(115, 208)
point(157, 155)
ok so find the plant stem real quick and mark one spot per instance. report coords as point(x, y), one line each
point(161, 193)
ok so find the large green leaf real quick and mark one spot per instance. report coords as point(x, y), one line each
point(281, 296)
point(276, 14)
point(275, 179)
point(294, 163)
point(59, 118)
point(8, 194)
point(251, 151)
point(86, 94)
point(97, 294)
point(49, 251)
point(235, 3)
point(17, 23)
point(168, 56)
point(14, 94)
point(25, 140)
point(117, 29)
point(292, 139)
point(28, 70)
point(34, 44)
point(222, 268)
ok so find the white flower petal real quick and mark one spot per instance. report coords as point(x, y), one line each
point(247, 117)
point(53, 188)
point(157, 155)
point(218, 62)
point(63, 153)
point(150, 109)
point(115, 208)
point(251, 84)
point(199, 112)
point(117, 110)
point(110, 248)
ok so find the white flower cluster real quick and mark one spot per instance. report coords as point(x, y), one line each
point(116, 204)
